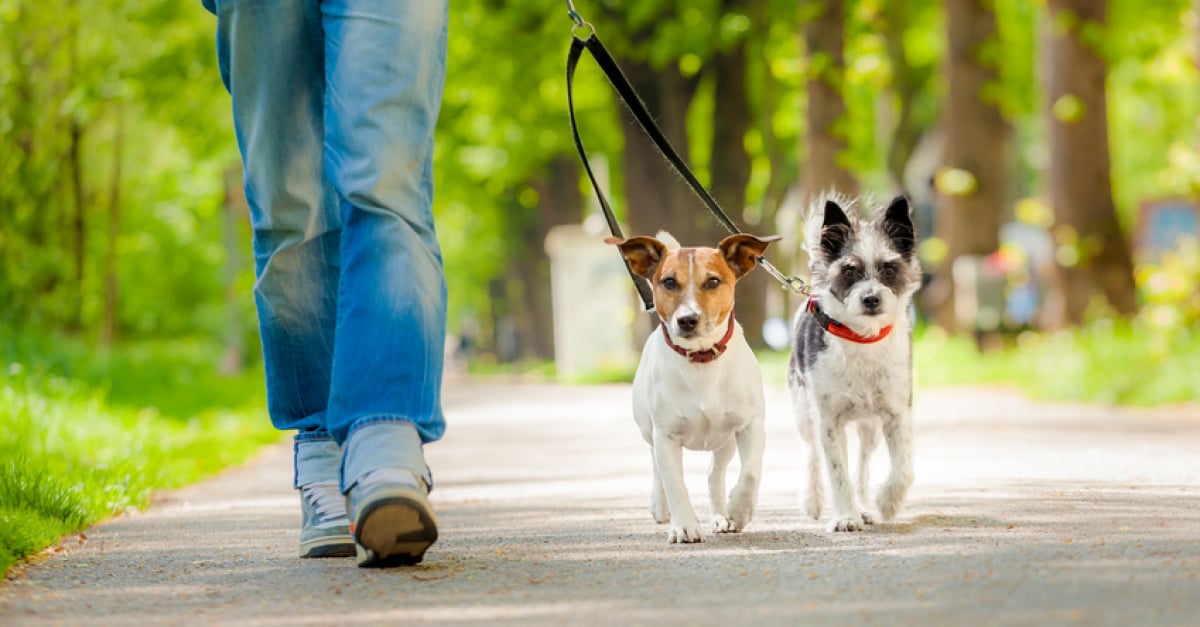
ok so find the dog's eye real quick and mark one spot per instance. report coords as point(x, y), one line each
point(670, 283)
point(712, 283)
point(888, 270)
point(852, 273)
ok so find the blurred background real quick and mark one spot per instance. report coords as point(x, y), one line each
point(1047, 195)
point(1051, 149)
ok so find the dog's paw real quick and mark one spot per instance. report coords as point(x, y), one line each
point(847, 523)
point(721, 524)
point(812, 504)
point(684, 534)
point(740, 515)
point(868, 518)
point(660, 513)
point(889, 501)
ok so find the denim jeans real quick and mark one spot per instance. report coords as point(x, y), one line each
point(334, 107)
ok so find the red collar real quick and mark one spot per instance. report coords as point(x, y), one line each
point(704, 356)
point(840, 330)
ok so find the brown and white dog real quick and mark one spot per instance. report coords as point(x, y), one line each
point(698, 385)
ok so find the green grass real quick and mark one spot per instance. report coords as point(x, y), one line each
point(1108, 362)
point(1111, 362)
point(87, 433)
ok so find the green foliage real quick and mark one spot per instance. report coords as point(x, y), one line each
point(111, 86)
point(1154, 101)
point(85, 434)
point(1107, 361)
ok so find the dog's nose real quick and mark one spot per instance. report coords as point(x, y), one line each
point(687, 323)
point(871, 302)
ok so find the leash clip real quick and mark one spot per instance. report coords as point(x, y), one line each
point(793, 283)
point(573, 14)
point(580, 23)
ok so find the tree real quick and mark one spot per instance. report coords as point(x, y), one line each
point(1094, 253)
point(910, 84)
point(974, 174)
point(824, 40)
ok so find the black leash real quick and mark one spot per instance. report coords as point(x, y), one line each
point(590, 42)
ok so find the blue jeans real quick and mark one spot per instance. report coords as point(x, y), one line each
point(334, 107)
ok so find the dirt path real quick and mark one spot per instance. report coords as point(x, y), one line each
point(1022, 514)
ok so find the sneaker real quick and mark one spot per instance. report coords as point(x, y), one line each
point(325, 530)
point(391, 519)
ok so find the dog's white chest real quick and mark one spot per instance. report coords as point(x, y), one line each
point(704, 421)
point(700, 407)
point(858, 381)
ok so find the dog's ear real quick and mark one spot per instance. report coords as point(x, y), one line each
point(741, 251)
point(836, 231)
point(898, 226)
point(642, 253)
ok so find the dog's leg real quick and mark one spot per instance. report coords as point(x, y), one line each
point(750, 444)
point(897, 432)
point(846, 516)
point(716, 486)
point(668, 459)
point(812, 495)
point(658, 496)
point(868, 439)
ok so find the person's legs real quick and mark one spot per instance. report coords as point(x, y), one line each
point(272, 61)
point(385, 66)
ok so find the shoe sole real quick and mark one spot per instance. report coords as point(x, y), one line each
point(329, 546)
point(395, 530)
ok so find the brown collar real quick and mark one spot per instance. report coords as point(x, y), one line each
point(704, 356)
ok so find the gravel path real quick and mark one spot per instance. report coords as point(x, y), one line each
point(1022, 514)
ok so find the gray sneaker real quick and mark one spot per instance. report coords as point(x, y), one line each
point(391, 519)
point(325, 530)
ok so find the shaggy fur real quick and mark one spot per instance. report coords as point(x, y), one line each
point(864, 274)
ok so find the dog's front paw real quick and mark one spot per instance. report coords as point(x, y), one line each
point(721, 524)
point(684, 534)
point(847, 523)
point(868, 518)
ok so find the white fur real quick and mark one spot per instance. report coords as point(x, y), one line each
point(868, 386)
point(716, 406)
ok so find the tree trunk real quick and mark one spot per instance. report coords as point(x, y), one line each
point(559, 202)
point(906, 83)
point(74, 150)
point(655, 197)
point(1094, 253)
point(729, 164)
point(108, 334)
point(233, 212)
point(977, 140)
point(826, 115)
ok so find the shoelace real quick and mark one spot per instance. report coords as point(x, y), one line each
point(328, 502)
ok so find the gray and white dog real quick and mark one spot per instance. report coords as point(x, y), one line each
point(852, 361)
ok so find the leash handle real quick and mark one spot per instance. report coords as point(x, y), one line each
point(637, 108)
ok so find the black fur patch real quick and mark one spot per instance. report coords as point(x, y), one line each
point(847, 272)
point(897, 224)
point(836, 231)
point(809, 342)
point(893, 275)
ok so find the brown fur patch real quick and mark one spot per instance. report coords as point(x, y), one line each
point(702, 270)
